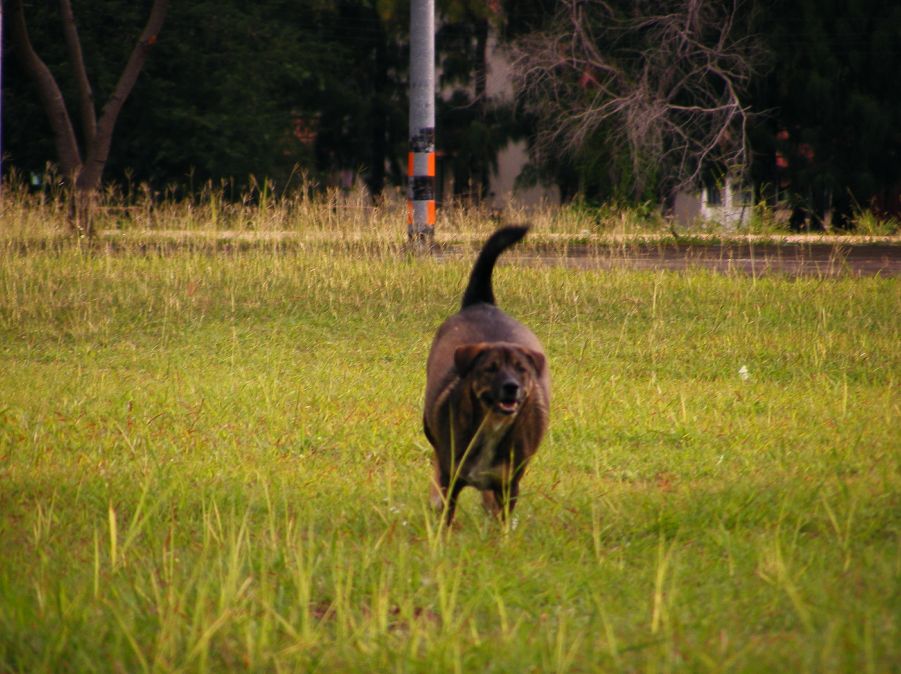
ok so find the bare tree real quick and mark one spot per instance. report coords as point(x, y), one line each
point(661, 83)
point(82, 166)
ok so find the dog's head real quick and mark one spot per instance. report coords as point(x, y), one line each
point(501, 375)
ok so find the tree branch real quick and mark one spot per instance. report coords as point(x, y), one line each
point(662, 85)
point(76, 58)
point(99, 151)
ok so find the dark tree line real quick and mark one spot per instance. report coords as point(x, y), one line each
point(802, 95)
point(237, 89)
point(232, 89)
point(831, 132)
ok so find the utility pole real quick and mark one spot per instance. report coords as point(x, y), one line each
point(421, 160)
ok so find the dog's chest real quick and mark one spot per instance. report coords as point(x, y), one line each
point(483, 470)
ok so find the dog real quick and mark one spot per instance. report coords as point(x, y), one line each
point(487, 394)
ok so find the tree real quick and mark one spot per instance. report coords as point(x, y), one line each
point(234, 94)
point(82, 164)
point(363, 123)
point(463, 123)
point(652, 93)
point(830, 140)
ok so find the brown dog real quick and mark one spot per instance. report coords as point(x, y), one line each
point(487, 394)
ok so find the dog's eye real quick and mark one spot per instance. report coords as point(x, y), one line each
point(491, 368)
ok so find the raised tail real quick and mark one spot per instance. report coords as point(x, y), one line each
point(479, 288)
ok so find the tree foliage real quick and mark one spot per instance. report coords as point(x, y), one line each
point(830, 137)
point(473, 125)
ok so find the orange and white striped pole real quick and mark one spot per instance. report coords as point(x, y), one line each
point(421, 201)
point(421, 161)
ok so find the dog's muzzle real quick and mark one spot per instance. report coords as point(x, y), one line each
point(505, 399)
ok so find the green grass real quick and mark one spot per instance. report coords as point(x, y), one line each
point(213, 461)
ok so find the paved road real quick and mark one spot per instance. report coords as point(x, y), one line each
point(807, 259)
point(835, 257)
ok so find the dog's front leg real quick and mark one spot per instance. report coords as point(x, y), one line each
point(500, 499)
point(491, 504)
point(451, 507)
point(437, 491)
point(443, 498)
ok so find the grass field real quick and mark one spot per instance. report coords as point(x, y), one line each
point(212, 460)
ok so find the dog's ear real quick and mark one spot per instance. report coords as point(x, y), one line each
point(537, 359)
point(465, 356)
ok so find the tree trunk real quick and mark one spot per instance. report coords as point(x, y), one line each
point(76, 59)
point(67, 150)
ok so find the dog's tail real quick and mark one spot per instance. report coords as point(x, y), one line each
point(479, 288)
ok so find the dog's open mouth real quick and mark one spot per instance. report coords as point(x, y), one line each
point(504, 407)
